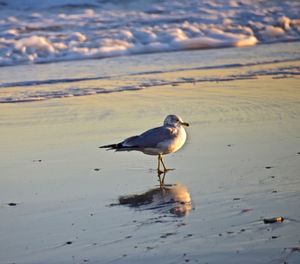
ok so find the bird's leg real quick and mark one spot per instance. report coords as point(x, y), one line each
point(158, 165)
point(165, 169)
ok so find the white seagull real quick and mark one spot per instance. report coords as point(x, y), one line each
point(156, 141)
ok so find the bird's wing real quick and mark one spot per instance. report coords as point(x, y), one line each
point(150, 138)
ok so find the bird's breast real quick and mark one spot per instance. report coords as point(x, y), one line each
point(174, 144)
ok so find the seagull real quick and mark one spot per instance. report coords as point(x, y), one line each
point(159, 141)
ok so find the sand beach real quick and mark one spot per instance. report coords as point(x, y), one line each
point(64, 200)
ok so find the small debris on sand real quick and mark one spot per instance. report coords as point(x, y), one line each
point(246, 210)
point(149, 248)
point(166, 235)
point(268, 167)
point(12, 204)
point(69, 243)
point(295, 249)
point(273, 220)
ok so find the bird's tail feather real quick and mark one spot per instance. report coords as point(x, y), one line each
point(118, 147)
point(112, 146)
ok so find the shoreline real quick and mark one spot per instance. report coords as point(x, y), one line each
point(84, 79)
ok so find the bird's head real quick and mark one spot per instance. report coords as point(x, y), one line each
point(174, 120)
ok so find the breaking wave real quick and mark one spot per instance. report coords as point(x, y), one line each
point(53, 30)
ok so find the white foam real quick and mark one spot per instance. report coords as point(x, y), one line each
point(273, 32)
point(78, 29)
point(285, 22)
point(34, 44)
point(77, 36)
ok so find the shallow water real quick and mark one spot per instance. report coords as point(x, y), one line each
point(115, 75)
point(76, 203)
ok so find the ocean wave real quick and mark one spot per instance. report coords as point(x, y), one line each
point(78, 29)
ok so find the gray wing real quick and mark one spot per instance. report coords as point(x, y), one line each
point(150, 138)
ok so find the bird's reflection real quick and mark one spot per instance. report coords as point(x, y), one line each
point(171, 199)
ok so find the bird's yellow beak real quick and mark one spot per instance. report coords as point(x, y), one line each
point(185, 124)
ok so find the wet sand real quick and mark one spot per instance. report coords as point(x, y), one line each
point(64, 200)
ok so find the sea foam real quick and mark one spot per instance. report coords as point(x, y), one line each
point(46, 31)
